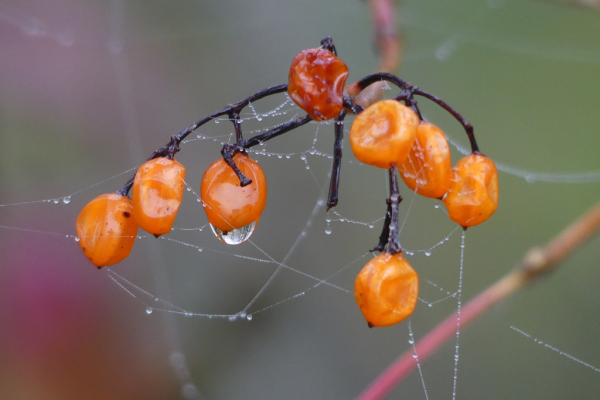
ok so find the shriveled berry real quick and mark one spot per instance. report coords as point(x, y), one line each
point(386, 290)
point(316, 83)
point(156, 193)
point(473, 197)
point(107, 228)
point(428, 169)
point(383, 133)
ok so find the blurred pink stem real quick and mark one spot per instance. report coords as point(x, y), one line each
point(535, 263)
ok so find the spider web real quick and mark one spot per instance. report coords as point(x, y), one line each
point(90, 90)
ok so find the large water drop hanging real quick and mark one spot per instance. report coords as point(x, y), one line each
point(234, 236)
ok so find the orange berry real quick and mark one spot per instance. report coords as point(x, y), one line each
point(473, 197)
point(107, 228)
point(316, 83)
point(156, 193)
point(383, 133)
point(386, 290)
point(228, 205)
point(428, 169)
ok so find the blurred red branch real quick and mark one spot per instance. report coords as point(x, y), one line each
point(388, 44)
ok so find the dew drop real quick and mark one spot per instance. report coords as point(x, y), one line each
point(328, 231)
point(77, 238)
point(436, 204)
point(415, 355)
point(216, 121)
point(428, 253)
point(371, 226)
point(67, 199)
point(200, 249)
point(411, 341)
point(149, 310)
point(279, 156)
point(258, 118)
point(232, 318)
point(288, 156)
point(303, 157)
point(56, 201)
point(242, 314)
point(235, 236)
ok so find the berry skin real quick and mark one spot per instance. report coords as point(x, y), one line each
point(316, 83)
point(473, 197)
point(383, 133)
point(428, 169)
point(107, 228)
point(228, 205)
point(156, 193)
point(386, 290)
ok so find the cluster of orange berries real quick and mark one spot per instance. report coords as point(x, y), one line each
point(108, 225)
point(387, 134)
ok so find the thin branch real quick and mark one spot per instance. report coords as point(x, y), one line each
point(537, 262)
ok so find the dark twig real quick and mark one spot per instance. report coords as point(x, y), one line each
point(332, 198)
point(465, 123)
point(390, 230)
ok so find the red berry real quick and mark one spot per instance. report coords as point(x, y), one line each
point(316, 83)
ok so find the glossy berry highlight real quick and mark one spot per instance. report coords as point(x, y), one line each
point(316, 83)
point(428, 168)
point(473, 197)
point(383, 133)
point(386, 290)
point(107, 228)
point(229, 206)
point(157, 192)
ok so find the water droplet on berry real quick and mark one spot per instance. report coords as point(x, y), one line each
point(234, 236)
point(149, 310)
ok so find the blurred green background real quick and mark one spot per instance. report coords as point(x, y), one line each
point(89, 89)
